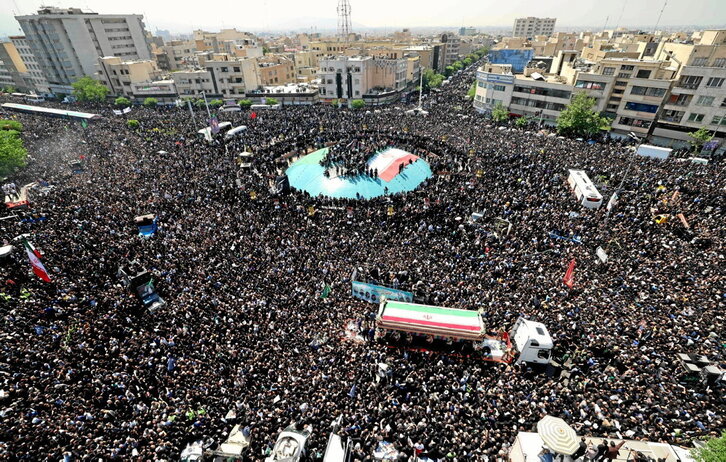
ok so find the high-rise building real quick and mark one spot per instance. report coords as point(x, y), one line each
point(531, 26)
point(67, 42)
point(12, 68)
point(34, 78)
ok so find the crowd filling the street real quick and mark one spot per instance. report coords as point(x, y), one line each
point(245, 336)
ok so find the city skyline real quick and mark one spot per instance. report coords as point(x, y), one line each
point(320, 14)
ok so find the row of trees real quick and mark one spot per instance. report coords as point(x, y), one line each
point(13, 154)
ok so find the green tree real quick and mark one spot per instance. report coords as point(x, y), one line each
point(472, 91)
point(12, 152)
point(521, 122)
point(88, 89)
point(133, 124)
point(216, 103)
point(431, 79)
point(500, 113)
point(580, 119)
point(357, 103)
point(6, 124)
point(271, 101)
point(151, 102)
point(122, 101)
point(467, 61)
point(10, 89)
point(449, 70)
point(699, 138)
point(713, 451)
point(245, 103)
point(199, 103)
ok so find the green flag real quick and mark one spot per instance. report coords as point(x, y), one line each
point(326, 291)
point(84, 124)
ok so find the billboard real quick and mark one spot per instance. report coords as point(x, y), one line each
point(373, 293)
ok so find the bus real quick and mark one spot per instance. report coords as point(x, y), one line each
point(584, 189)
point(206, 133)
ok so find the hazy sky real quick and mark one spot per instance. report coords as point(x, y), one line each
point(256, 15)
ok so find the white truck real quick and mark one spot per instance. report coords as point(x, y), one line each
point(457, 330)
point(655, 152)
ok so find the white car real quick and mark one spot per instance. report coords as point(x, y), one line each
point(290, 445)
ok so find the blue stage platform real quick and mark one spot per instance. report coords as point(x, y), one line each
point(306, 174)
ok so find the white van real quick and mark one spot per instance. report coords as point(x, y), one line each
point(235, 131)
point(265, 106)
point(584, 189)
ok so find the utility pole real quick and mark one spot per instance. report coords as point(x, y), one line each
point(420, 87)
point(614, 198)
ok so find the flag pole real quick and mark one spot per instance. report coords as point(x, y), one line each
point(206, 105)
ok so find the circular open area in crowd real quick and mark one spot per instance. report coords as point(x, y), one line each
point(190, 298)
point(392, 170)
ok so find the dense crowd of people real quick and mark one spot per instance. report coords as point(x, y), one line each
point(245, 336)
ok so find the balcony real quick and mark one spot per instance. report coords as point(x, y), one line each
point(688, 86)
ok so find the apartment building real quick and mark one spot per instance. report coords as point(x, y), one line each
point(229, 76)
point(451, 44)
point(276, 70)
point(530, 26)
point(193, 82)
point(374, 80)
point(118, 75)
point(67, 42)
point(12, 68)
point(34, 78)
point(178, 54)
point(698, 96)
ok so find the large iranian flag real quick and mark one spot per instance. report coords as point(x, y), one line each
point(38, 267)
point(432, 320)
point(390, 161)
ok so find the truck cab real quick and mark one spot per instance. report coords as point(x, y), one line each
point(532, 341)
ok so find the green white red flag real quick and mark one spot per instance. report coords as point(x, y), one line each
point(37, 265)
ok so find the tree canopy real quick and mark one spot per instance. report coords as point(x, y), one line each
point(122, 101)
point(700, 137)
point(357, 103)
point(12, 151)
point(271, 101)
point(88, 89)
point(580, 119)
point(500, 113)
point(151, 102)
point(245, 103)
point(713, 451)
point(431, 79)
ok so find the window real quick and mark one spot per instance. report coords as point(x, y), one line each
point(543, 354)
point(700, 62)
point(632, 122)
point(643, 74)
point(719, 62)
point(640, 107)
point(715, 82)
point(627, 68)
point(680, 100)
point(705, 101)
point(690, 81)
point(624, 75)
point(608, 71)
point(718, 120)
point(693, 117)
point(236, 69)
point(618, 91)
point(670, 115)
point(499, 88)
point(589, 85)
